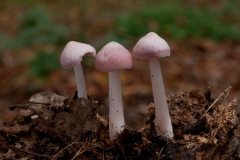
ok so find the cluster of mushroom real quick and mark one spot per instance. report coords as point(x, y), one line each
point(112, 58)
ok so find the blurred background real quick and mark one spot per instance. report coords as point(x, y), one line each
point(203, 36)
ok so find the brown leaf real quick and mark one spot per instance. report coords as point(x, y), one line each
point(15, 129)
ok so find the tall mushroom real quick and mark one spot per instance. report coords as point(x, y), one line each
point(112, 58)
point(151, 47)
point(71, 57)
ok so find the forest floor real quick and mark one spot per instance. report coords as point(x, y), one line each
point(50, 126)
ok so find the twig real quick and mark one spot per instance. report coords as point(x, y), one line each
point(31, 153)
point(226, 91)
point(164, 156)
point(40, 103)
point(66, 143)
point(21, 106)
point(80, 152)
point(214, 132)
point(160, 152)
point(56, 155)
point(110, 147)
point(225, 97)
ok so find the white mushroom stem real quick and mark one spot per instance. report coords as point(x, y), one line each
point(162, 118)
point(116, 117)
point(81, 86)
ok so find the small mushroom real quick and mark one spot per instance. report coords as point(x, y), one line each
point(152, 47)
point(71, 57)
point(112, 58)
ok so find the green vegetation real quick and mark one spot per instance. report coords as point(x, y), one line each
point(35, 28)
point(179, 22)
point(43, 64)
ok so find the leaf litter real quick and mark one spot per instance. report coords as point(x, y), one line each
point(55, 127)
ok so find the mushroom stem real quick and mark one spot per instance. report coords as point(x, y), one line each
point(116, 117)
point(81, 86)
point(162, 118)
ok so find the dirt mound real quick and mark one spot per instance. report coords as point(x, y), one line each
point(50, 126)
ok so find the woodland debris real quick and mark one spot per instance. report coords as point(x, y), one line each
point(75, 131)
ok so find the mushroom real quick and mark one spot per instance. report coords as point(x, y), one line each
point(151, 47)
point(112, 58)
point(71, 57)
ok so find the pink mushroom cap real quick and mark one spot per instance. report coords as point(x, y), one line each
point(113, 56)
point(151, 46)
point(73, 52)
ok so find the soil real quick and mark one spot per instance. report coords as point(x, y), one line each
point(54, 127)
